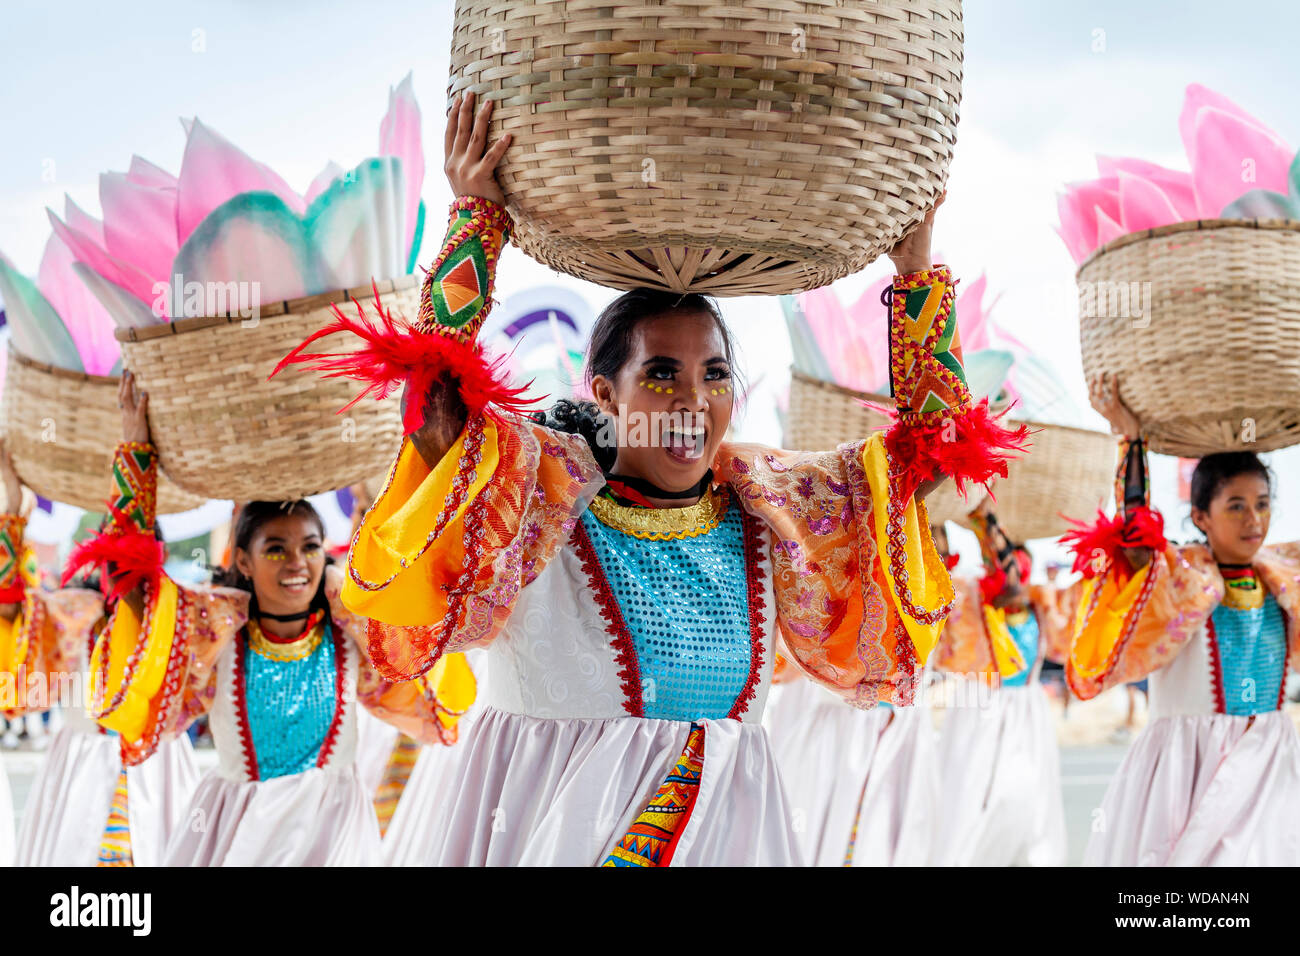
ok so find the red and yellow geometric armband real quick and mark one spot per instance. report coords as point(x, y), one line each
point(939, 430)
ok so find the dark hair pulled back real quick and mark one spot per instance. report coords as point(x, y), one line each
point(252, 515)
point(1214, 471)
point(610, 348)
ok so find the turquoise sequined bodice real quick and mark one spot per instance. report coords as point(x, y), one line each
point(685, 604)
point(1025, 635)
point(290, 707)
point(1252, 655)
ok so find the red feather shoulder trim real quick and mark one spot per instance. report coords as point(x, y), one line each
point(970, 446)
point(135, 558)
point(1102, 543)
point(396, 354)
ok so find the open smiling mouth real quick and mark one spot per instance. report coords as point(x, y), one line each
point(684, 444)
point(297, 583)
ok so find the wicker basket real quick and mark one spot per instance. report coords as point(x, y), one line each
point(62, 428)
point(823, 416)
point(225, 431)
point(733, 148)
point(1214, 363)
point(1068, 471)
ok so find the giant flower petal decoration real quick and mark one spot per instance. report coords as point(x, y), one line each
point(55, 319)
point(228, 218)
point(1239, 169)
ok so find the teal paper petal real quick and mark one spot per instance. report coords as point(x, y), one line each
point(1263, 204)
point(986, 370)
point(414, 259)
point(35, 328)
point(807, 357)
point(254, 238)
point(357, 225)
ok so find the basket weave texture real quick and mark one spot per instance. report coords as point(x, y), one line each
point(823, 416)
point(734, 148)
point(1201, 321)
point(224, 430)
point(62, 427)
point(1067, 471)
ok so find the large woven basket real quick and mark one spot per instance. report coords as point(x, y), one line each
point(729, 147)
point(62, 428)
point(1068, 471)
point(823, 415)
point(224, 430)
point(1214, 363)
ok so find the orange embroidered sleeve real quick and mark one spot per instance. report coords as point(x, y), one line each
point(1128, 625)
point(427, 707)
point(442, 553)
point(861, 594)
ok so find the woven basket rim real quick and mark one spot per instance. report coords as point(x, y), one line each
point(1192, 225)
point(841, 389)
point(58, 372)
point(807, 379)
point(307, 303)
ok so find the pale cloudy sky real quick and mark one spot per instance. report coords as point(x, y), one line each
point(83, 85)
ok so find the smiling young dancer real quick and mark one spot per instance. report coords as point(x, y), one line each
point(628, 570)
point(1001, 769)
point(85, 808)
point(272, 658)
point(1214, 777)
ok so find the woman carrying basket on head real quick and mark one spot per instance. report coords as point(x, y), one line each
point(629, 571)
point(1214, 777)
point(1001, 771)
point(85, 807)
point(271, 656)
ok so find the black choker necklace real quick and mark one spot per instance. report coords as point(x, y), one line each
point(300, 616)
point(638, 489)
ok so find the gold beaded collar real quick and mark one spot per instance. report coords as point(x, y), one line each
point(1243, 599)
point(295, 650)
point(663, 524)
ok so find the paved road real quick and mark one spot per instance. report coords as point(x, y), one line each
point(1085, 772)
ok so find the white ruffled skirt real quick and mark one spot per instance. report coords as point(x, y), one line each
point(412, 834)
point(1205, 790)
point(375, 740)
point(530, 791)
point(67, 808)
point(320, 817)
point(7, 830)
point(1001, 783)
point(863, 785)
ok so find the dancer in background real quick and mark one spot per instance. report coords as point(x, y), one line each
point(272, 658)
point(84, 808)
point(1056, 606)
point(1001, 774)
point(1214, 777)
point(863, 785)
point(630, 590)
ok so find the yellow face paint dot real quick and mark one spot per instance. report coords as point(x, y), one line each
point(670, 391)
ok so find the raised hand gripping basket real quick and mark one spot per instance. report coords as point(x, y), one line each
point(223, 430)
point(62, 427)
point(728, 147)
point(1201, 320)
